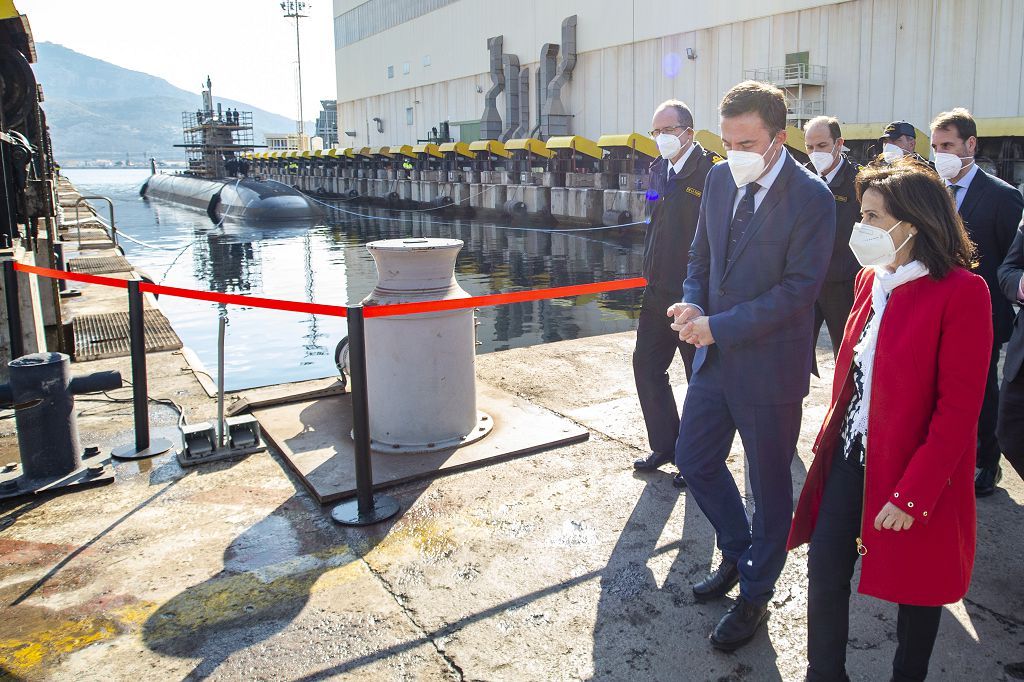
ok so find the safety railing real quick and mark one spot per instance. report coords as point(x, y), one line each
point(370, 508)
point(113, 225)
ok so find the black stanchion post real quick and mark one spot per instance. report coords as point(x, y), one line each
point(367, 508)
point(62, 284)
point(143, 446)
point(13, 310)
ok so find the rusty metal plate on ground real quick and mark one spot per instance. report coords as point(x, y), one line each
point(99, 266)
point(106, 335)
point(314, 438)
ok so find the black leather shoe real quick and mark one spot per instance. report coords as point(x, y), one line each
point(718, 583)
point(739, 625)
point(678, 481)
point(651, 461)
point(985, 481)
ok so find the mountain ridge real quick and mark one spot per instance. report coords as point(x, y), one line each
point(96, 109)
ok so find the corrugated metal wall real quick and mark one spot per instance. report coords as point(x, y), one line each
point(886, 59)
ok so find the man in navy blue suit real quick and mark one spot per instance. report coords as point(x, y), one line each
point(763, 244)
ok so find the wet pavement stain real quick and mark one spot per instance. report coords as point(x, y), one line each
point(275, 591)
point(35, 638)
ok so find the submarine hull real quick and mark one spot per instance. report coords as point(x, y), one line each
point(244, 199)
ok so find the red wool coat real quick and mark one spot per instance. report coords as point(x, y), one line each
point(931, 363)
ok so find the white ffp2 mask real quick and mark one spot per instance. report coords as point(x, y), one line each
point(891, 152)
point(668, 145)
point(746, 166)
point(822, 160)
point(948, 165)
point(873, 246)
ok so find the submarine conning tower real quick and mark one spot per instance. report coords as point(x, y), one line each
point(215, 138)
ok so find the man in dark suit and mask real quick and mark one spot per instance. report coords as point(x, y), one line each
point(1010, 428)
point(991, 211)
point(823, 140)
point(763, 244)
point(673, 204)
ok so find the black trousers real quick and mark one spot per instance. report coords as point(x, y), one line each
point(831, 560)
point(1011, 422)
point(988, 444)
point(833, 308)
point(656, 346)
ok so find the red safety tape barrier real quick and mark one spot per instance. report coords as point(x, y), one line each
point(340, 310)
point(498, 299)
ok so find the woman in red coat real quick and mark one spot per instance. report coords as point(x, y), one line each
point(892, 480)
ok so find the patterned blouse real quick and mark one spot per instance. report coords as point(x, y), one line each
point(853, 442)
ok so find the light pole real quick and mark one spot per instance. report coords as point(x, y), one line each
point(294, 10)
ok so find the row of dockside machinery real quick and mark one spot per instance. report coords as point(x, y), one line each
point(613, 162)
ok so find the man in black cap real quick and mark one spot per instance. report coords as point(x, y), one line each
point(899, 139)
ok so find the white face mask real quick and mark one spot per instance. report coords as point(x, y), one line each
point(668, 145)
point(746, 166)
point(874, 246)
point(948, 165)
point(891, 152)
point(822, 160)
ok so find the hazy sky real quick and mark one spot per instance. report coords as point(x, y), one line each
point(184, 40)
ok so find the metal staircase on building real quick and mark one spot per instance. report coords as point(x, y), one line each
point(804, 85)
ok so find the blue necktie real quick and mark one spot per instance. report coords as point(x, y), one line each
point(740, 221)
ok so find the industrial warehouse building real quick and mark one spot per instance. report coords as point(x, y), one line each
point(413, 70)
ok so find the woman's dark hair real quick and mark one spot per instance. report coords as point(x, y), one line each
point(914, 193)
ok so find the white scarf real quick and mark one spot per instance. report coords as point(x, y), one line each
point(864, 352)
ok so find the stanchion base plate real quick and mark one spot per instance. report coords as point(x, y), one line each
point(157, 446)
point(347, 513)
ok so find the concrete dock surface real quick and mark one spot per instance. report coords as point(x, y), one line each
point(562, 565)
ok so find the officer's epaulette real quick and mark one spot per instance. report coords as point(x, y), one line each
point(714, 157)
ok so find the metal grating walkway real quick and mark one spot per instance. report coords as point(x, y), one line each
point(100, 265)
point(106, 336)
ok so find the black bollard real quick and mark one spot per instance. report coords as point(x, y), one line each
point(142, 447)
point(367, 508)
point(42, 391)
point(13, 310)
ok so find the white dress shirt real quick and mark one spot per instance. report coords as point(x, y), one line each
point(678, 165)
point(835, 171)
point(964, 183)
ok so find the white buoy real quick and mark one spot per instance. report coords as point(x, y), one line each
point(420, 369)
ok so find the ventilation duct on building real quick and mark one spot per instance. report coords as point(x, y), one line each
point(510, 63)
point(554, 120)
point(490, 122)
point(524, 104)
point(545, 74)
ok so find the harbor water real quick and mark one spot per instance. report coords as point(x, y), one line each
point(328, 263)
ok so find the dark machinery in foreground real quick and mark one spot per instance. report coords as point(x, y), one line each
point(42, 393)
